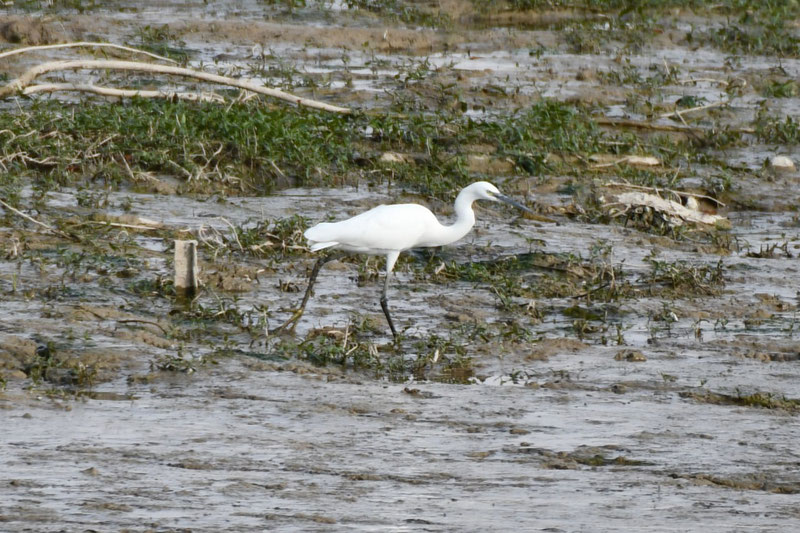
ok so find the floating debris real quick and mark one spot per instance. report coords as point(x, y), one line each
point(674, 212)
point(632, 356)
point(394, 157)
point(634, 160)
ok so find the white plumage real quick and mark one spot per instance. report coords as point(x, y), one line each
point(391, 229)
point(378, 231)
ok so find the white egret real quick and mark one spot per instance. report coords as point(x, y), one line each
point(391, 229)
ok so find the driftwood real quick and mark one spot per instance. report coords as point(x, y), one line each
point(657, 190)
point(37, 222)
point(679, 113)
point(84, 44)
point(676, 213)
point(24, 81)
point(122, 93)
point(634, 160)
point(686, 81)
point(627, 123)
point(689, 130)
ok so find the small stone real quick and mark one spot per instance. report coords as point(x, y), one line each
point(393, 157)
point(643, 161)
point(781, 162)
point(633, 356)
point(91, 471)
point(459, 317)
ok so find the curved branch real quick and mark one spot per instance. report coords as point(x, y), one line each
point(123, 93)
point(84, 44)
point(31, 74)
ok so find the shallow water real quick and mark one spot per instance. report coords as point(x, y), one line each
point(578, 441)
point(247, 450)
point(553, 433)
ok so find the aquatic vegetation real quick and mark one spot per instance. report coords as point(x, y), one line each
point(559, 326)
point(682, 277)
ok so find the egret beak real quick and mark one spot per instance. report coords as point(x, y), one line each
point(511, 201)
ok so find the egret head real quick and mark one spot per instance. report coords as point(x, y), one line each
point(484, 190)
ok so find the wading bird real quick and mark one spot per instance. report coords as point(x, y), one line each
point(390, 229)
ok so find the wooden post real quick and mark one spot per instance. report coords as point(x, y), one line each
point(186, 271)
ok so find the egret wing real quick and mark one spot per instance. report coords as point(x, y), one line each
point(379, 230)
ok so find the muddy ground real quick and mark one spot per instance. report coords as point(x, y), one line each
point(592, 367)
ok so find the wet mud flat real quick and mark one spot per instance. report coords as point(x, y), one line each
point(595, 367)
point(250, 449)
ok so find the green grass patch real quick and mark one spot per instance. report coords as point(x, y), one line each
point(777, 130)
point(763, 400)
point(257, 148)
point(686, 279)
point(409, 13)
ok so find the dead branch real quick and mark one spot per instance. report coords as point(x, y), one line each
point(627, 123)
point(657, 190)
point(101, 316)
point(117, 225)
point(676, 212)
point(703, 80)
point(682, 112)
point(233, 232)
point(635, 160)
point(122, 93)
point(84, 44)
point(31, 74)
point(142, 321)
point(145, 175)
point(42, 224)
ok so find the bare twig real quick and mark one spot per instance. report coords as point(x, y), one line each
point(122, 320)
point(626, 123)
point(142, 321)
point(134, 178)
point(682, 112)
point(701, 80)
point(233, 232)
point(216, 241)
point(189, 175)
point(122, 93)
point(31, 74)
point(119, 225)
point(84, 44)
point(590, 291)
point(42, 224)
point(277, 168)
point(635, 160)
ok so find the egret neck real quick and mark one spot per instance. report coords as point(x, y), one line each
point(465, 219)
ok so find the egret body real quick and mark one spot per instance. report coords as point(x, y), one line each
point(389, 230)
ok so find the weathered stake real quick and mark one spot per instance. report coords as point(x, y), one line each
point(186, 271)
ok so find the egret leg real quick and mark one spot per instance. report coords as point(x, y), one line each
point(385, 304)
point(312, 278)
point(391, 259)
